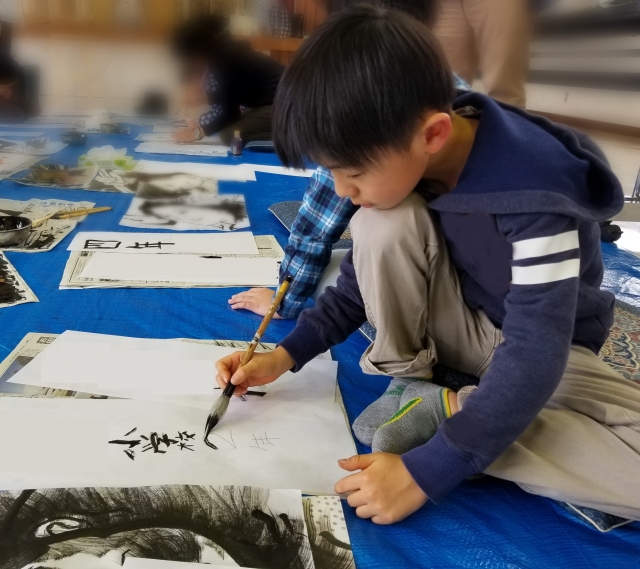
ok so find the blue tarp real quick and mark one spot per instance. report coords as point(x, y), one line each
point(486, 523)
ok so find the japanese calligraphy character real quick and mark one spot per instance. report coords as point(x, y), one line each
point(148, 245)
point(98, 244)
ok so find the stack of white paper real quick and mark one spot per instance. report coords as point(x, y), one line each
point(241, 243)
point(189, 149)
point(291, 437)
point(113, 260)
point(226, 172)
point(156, 370)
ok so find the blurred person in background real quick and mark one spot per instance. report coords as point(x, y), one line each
point(14, 106)
point(490, 36)
point(239, 84)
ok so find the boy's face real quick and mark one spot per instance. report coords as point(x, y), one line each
point(394, 174)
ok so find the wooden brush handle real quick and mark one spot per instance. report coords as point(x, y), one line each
point(277, 299)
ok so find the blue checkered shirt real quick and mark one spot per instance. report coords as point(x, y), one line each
point(322, 219)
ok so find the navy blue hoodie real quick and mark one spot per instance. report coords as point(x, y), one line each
point(522, 230)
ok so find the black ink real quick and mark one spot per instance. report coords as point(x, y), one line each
point(123, 442)
point(173, 523)
point(148, 245)
point(156, 442)
point(97, 244)
point(10, 290)
point(257, 393)
point(328, 551)
point(211, 257)
point(333, 540)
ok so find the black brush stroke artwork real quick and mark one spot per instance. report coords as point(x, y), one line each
point(328, 551)
point(10, 289)
point(41, 528)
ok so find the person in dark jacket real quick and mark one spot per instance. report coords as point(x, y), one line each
point(14, 106)
point(238, 83)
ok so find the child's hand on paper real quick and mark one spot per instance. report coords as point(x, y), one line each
point(262, 369)
point(383, 491)
point(256, 300)
point(184, 135)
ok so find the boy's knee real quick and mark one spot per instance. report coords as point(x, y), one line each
point(405, 222)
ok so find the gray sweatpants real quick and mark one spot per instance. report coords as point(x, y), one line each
point(584, 446)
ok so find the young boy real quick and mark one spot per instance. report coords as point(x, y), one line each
point(498, 276)
point(324, 216)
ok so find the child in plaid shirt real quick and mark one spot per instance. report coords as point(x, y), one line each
point(323, 216)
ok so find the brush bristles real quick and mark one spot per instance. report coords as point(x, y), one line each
point(216, 414)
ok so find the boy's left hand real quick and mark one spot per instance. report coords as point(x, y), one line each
point(384, 491)
point(184, 135)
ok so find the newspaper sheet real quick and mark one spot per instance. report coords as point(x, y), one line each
point(48, 234)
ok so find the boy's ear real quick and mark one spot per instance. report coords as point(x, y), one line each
point(435, 131)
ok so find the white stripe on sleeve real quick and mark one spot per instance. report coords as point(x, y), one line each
point(541, 246)
point(549, 273)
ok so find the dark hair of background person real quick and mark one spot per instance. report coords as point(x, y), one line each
point(358, 87)
point(198, 36)
point(424, 10)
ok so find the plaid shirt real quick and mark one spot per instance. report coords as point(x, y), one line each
point(322, 219)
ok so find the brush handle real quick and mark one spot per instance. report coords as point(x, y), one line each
point(277, 299)
point(79, 212)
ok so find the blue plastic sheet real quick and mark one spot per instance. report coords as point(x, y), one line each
point(486, 523)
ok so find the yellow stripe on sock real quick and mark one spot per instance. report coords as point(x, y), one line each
point(445, 402)
point(402, 412)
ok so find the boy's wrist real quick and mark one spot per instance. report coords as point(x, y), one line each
point(285, 361)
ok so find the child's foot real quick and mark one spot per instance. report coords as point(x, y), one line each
point(380, 411)
point(424, 407)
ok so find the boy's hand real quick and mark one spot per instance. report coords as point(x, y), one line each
point(257, 300)
point(384, 491)
point(193, 124)
point(262, 369)
point(5, 91)
point(184, 135)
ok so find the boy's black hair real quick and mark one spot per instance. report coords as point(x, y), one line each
point(358, 87)
point(424, 10)
point(197, 36)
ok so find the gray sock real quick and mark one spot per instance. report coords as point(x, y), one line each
point(380, 411)
point(423, 407)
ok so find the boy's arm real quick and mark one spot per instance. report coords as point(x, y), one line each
point(224, 111)
point(322, 219)
point(337, 313)
point(526, 368)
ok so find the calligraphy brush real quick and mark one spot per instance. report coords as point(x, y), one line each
point(220, 406)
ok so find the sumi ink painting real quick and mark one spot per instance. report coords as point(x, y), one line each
point(100, 528)
point(13, 289)
point(194, 210)
point(151, 185)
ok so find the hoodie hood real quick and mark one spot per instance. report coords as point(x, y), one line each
point(523, 163)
